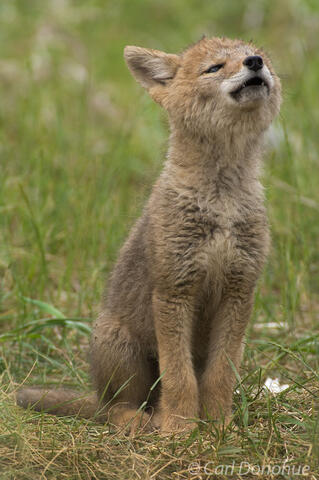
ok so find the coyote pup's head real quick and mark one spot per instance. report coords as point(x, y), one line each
point(214, 85)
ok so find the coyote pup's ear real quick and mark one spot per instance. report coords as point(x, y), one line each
point(151, 67)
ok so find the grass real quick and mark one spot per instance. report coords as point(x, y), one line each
point(80, 146)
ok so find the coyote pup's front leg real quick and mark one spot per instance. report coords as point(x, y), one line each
point(173, 317)
point(225, 353)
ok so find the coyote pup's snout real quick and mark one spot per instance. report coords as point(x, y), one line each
point(181, 293)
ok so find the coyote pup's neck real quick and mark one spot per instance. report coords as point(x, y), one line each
point(207, 157)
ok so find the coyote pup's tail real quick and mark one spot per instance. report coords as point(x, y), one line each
point(60, 402)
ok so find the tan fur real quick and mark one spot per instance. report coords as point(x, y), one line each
point(181, 293)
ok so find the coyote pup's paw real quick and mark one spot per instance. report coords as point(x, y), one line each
point(216, 410)
point(131, 421)
point(175, 423)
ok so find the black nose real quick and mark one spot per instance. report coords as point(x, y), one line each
point(254, 62)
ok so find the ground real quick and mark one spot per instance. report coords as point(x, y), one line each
point(80, 146)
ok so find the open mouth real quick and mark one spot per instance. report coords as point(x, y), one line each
point(254, 82)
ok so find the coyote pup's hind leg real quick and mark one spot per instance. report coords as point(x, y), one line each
point(122, 374)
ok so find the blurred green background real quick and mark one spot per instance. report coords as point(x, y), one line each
point(81, 144)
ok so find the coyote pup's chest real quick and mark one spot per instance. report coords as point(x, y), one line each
point(207, 238)
point(236, 235)
point(238, 242)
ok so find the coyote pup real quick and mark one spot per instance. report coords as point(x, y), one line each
point(182, 290)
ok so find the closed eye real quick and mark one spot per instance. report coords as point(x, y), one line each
point(214, 68)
